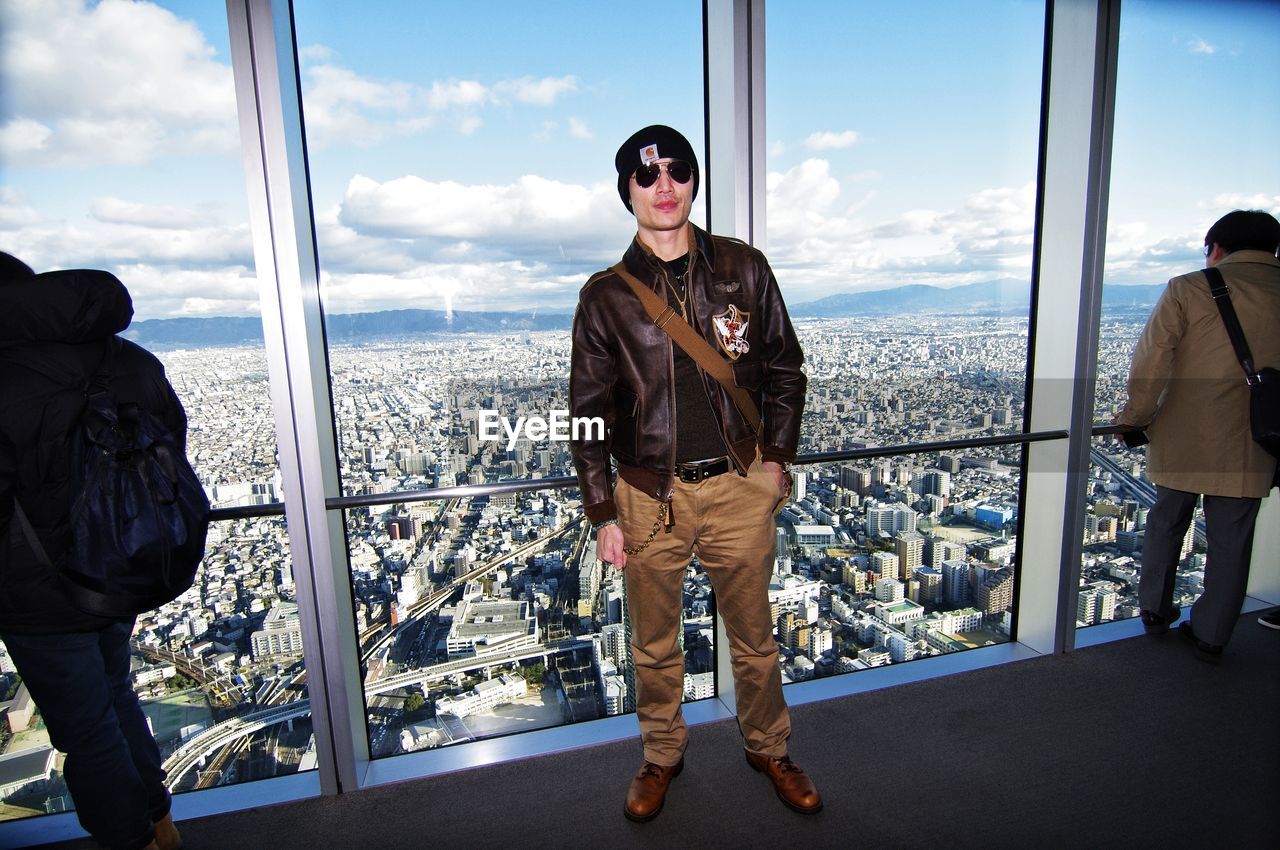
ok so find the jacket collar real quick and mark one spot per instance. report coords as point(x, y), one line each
point(642, 262)
point(1250, 256)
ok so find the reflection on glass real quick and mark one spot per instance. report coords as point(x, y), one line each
point(900, 207)
point(133, 165)
point(1170, 54)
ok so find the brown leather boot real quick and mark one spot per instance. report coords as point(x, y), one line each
point(167, 837)
point(793, 785)
point(648, 790)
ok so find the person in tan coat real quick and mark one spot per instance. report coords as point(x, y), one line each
point(1187, 389)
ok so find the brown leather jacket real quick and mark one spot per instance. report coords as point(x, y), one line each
point(622, 368)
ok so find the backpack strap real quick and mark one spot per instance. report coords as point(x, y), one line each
point(33, 541)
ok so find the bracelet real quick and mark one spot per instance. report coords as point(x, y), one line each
point(605, 524)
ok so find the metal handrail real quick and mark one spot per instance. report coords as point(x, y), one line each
point(531, 484)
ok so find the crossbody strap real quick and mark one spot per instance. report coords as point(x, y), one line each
point(671, 322)
point(1222, 297)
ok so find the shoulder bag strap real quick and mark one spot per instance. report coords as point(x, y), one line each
point(666, 318)
point(1222, 297)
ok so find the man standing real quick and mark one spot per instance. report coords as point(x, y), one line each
point(1186, 387)
point(75, 664)
point(693, 475)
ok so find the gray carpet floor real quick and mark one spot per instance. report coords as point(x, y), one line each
point(1135, 743)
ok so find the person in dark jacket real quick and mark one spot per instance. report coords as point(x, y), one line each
point(74, 664)
point(693, 474)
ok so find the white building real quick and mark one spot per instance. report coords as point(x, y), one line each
point(699, 685)
point(488, 628)
point(485, 696)
point(902, 611)
point(281, 633)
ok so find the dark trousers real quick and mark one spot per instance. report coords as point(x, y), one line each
point(1229, 526)
point(80, 683)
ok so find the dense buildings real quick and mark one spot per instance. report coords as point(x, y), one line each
point(467, 606)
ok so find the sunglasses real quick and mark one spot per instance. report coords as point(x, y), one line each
point(677, 169)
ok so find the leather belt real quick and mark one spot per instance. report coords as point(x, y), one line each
point(691, 472)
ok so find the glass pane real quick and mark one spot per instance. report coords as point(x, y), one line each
point(121, 151)
point(1192, 91)
point(895, 559)
point(901, 200)
point(464, 186)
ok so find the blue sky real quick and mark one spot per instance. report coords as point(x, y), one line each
point(461, 154)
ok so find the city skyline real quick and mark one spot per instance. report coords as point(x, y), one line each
point(479, 177)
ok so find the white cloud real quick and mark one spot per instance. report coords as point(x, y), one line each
point(443, 95)
point(538, 92)
point(830, 141)
point(163, 217)
point(507, 286)
point(579, 129)
point(22, 137)
point(160, 292)
point(533, 218)
point(1235, 201)
point(15, 213)
point(1199, 45)
point(340, 104)
point(820, 242)
point(117, 82)
point(1138, 252)
point(343, 107)
point(165, 251)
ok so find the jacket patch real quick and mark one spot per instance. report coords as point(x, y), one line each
point(726, 286)
point(731, 331)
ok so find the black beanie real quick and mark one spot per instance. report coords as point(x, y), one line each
point(655, 142)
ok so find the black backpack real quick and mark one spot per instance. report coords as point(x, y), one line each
point(139, 516)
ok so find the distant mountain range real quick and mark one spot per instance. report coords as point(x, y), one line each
point(973, 299)
point(994, 298)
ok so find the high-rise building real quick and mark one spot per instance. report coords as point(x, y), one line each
point(889, 590)
point(994, 591)
point(955, 583)
point(935, 482)
point(884, 564)
point(1096, 603)
point(929, 585)
point(910, 548)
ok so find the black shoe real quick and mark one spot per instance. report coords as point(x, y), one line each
point(1158, 624)
point(1204, 651)
point(1271, 619)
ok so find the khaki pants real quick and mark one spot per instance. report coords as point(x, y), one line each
point(727, 521)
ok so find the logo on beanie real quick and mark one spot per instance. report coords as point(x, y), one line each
point(649, 154)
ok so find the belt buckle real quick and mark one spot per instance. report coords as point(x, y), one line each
point(694, 472)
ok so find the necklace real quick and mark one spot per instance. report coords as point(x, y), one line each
point(678, 287)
